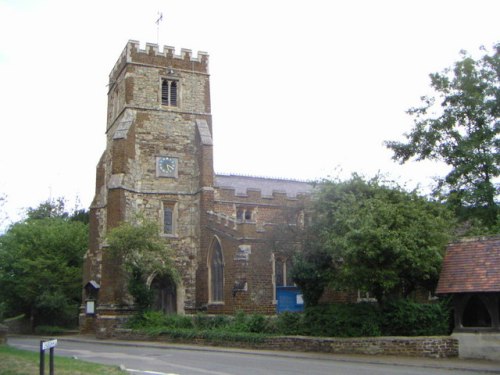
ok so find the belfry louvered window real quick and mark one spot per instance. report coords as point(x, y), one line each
point(169, 92)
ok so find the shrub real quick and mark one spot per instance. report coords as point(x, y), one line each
point(290, 323)
point(49, 330)
point(147, 319)
point(203, 321)
point(240, 322)
point(354, 320)
point(179, 321)
point(3, 309)
point(259, 324)
point(408, 318)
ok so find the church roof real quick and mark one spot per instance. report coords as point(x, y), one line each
point(471, 265)
point(241, 184)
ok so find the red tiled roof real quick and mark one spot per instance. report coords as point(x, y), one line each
point(471, 265)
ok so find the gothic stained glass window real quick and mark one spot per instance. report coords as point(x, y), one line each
point(217, 273)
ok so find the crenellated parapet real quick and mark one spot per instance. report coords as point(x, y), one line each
point(236, 228)
point(152, 55)
point(260, 190)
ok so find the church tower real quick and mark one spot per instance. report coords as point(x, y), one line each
point(158, 162)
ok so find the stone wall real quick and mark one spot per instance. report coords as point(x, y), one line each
point(140, 128)
point(18, 325)
point(3, 334)
point(479, 345)
point(426, 347)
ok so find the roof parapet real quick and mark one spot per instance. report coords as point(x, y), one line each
point(133, 51)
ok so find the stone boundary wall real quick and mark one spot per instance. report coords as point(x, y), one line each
point(426, 347)
point(18, 325)
point(3, 334)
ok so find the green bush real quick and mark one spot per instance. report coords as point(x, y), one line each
point(398, 318)
point(49, 330)
point(290, 323)
point(240, 322)
point(224, 336)
point(204, 321)
point(147, 319)
point(179, 321)
point(3, 309)
point(408, 318)
point(339, 320)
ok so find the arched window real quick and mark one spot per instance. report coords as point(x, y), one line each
point(216, 273)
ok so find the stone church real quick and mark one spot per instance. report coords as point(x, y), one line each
point(227, 231)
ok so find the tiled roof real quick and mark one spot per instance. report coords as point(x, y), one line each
point(471, 265)
point(266, 186)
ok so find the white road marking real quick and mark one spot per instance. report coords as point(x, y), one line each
point(149, 372)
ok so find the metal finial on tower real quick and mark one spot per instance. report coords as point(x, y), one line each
point(158, 20)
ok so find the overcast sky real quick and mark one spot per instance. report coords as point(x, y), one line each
point(300, 89)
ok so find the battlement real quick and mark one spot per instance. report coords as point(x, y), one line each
point(152, 55)
point(258, 188)
point(238, 229)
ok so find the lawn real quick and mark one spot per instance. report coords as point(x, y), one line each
point(20, 362)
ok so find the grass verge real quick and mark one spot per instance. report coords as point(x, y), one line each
point(20, 362)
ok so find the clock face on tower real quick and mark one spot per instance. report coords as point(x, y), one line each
point(166, 166)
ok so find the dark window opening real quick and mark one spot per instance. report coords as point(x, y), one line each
point(476, 314)
point(248, 215)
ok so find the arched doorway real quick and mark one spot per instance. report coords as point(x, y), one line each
point(164, 294)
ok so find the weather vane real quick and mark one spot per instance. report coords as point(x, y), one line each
point(158, 20)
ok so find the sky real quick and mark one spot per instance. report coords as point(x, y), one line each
point(299, 89)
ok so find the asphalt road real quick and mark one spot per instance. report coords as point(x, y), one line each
point(157, 359)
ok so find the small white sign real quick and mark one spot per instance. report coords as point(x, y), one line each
point(90, 307)
point(49, 344)
point(300, 299)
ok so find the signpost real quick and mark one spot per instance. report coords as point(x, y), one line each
point(44, 345)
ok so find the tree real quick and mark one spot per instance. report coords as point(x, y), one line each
point(289, 239)
point(40, 266)
point(142, 253)
point(311, 271)
point(462, 132)
point(377, 238)
point(3, 215)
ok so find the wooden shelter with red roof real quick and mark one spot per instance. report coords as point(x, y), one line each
point(471, 275)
